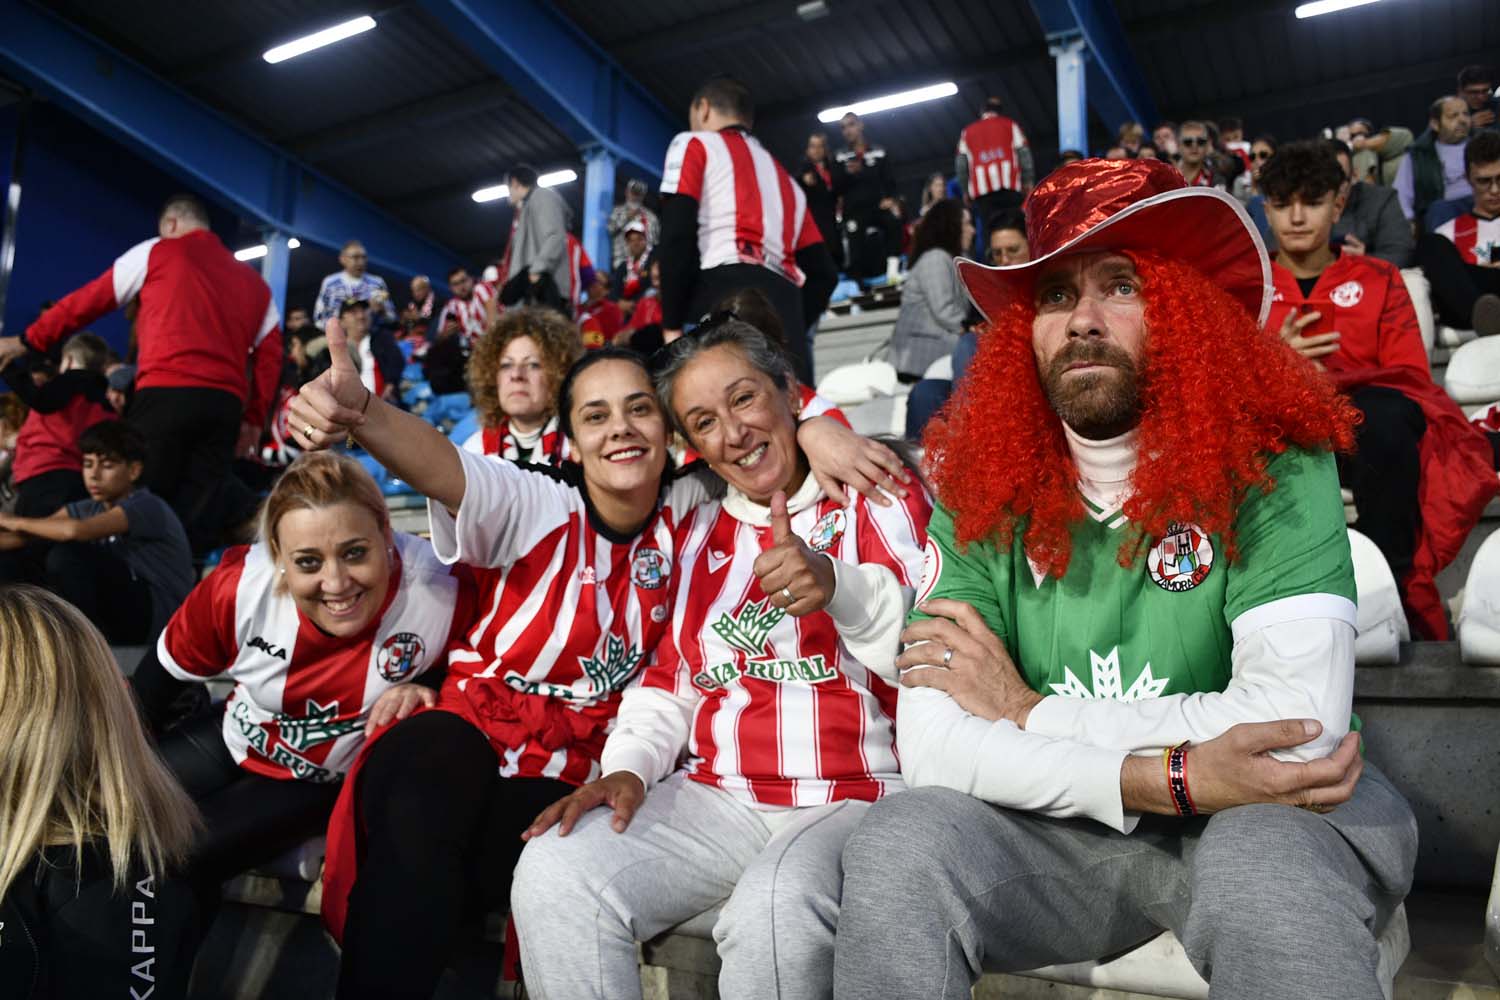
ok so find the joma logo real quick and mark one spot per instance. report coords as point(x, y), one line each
point(256, 642)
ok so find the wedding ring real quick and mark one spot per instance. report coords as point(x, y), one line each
point(948, 656)
point(307, 431)
point(787, 593)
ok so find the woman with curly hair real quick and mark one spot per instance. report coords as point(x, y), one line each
point(514, 375)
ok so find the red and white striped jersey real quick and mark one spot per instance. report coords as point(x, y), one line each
point(550, 448)
point(469, 315)
point(990, 145)
point(1477, 240)
point(568, 611)
point(750, 211)
point(301, 696)
point(786, 711)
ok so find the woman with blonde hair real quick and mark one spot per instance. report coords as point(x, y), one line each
point(91, 823)
point(514, 375)
point(320, 625)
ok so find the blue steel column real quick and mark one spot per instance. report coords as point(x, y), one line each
point(275, 266)
point(598, 198)
point(1072, 93)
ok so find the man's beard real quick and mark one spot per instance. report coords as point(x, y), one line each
point(1098, 404)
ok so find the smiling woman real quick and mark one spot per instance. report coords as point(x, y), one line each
point(329, 612)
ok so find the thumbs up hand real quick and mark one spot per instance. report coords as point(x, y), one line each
point(792, 575)
point(331, 406)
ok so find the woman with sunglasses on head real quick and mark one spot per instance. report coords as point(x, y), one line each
point(784, 595)
point(320, 625)
point(577, 567)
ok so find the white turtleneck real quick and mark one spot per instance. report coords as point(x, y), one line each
point(1292, 659)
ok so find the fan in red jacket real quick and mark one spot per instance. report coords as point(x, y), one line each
point(1421, 473)
point(210, 358)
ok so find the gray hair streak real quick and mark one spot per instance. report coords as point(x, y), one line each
point(754, 345)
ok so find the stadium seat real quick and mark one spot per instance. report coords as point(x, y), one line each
point(1479, 622)
point(853, 384)
point(448, 408)
point(465, 428)
point(1473, 374)
point(1380, 621)
point(941, 369)
point(1421, 299)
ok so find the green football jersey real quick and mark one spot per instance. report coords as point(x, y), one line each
point(1166, 624)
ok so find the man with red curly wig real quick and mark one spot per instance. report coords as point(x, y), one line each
point(1126, 699)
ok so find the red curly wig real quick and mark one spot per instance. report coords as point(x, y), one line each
point(1219, 396)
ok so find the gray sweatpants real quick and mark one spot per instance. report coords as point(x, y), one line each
point(1270, 902)
point(581, 902)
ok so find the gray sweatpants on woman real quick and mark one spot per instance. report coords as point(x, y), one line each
point(1270, 902)
point(581, 902)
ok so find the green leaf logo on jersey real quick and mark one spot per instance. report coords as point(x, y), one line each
point(747, 632)
point(1107, 684)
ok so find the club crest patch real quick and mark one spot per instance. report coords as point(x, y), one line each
point(1347, 295)
point(1181, 559)
point(650, 569)
point(828, 530)
point(399, 656)
point(932, 568)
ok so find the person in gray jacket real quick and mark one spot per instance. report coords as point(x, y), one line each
point(933, 305)
point(1372, 222)
point(538, 242)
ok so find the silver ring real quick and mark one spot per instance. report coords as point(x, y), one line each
point(307, 431)
point(948, 656)
point(786, 592)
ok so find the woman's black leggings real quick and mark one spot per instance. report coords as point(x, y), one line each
point(249, 819)
point(441, 835)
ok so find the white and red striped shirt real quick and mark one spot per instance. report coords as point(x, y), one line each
point(301, 696)
point(1477, 240)
point(549, 447)
point(750, 211)
point(991, 147)
point(568, 611)
point(775, 710)
point(470, 315)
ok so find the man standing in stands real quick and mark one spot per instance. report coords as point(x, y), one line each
point(537, 255)
point(994, 162)
point(733, 218)
point(1196, 148)
point(353, 282)
point(422, 309)
point(630, 278)
point(874, 233)
point(469, 306)
point(633, 209)
point(1476, 85)
point(1433, 170)
point(1462, 258)
point(209, 362)
point(1149, 617)
point(1420, 473)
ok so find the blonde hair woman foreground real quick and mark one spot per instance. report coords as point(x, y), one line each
point(91, 823)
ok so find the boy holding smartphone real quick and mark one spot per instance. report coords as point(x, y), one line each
point(1420, 473)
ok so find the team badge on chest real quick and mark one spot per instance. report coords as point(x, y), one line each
point(1181, 559)
point(1347, 295)
point(399, 656)
point(829, 529)
point(650, 569)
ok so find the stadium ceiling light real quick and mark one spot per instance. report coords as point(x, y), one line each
point(318, 39)
point(497, 191)
point(1327, 7)
point(260, 250)
point(889, 101)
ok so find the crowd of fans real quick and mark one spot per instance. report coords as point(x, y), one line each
point(183, 501)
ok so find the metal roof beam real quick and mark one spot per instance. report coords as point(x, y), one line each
point(562, 74)
point(1117, 89)
point(399, 123)
point(200, 146)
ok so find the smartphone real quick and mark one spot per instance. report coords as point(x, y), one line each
point(1324, 309)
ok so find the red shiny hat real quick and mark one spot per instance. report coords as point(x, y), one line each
point(1094, 205)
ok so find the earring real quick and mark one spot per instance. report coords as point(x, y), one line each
point(281, 570)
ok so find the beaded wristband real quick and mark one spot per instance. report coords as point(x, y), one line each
point(1177, 780)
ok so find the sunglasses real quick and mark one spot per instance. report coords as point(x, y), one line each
point(1262, 155)
point(1193, 140)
